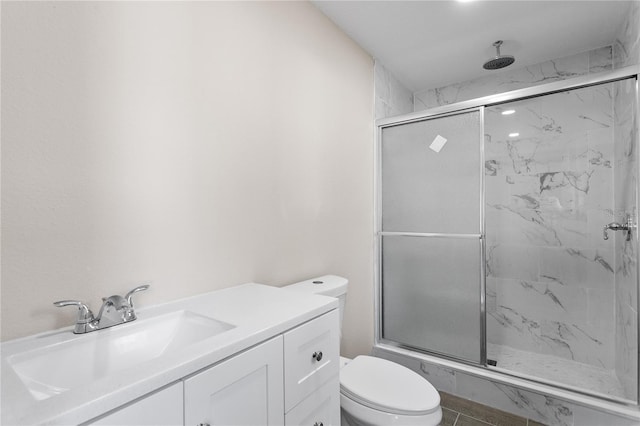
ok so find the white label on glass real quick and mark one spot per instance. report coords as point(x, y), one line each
point(438, 143)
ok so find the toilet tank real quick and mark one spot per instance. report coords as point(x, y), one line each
point(326, 285)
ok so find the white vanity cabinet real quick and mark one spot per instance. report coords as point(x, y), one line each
point(244, 390)
point(161, 408)
point(291, 379)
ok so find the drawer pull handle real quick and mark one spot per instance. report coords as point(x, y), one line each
point(318, 424)
point(318, 357)
point(203, 424)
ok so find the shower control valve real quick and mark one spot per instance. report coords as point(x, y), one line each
point(615, 226)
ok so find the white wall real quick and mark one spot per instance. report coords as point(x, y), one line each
point(195, 145)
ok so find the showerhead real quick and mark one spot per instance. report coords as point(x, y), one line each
point(500, 61)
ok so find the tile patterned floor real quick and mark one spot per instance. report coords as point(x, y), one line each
point(457, 411)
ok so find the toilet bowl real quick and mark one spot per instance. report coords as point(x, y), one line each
point(375, 391)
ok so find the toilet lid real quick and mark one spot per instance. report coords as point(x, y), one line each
point(387, 386)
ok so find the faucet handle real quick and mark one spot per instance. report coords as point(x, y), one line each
point(129, 296)
point(84, 313)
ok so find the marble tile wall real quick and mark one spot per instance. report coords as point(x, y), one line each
point(626, 51)
point(625, 178)
point(391, 97)
point(592, 61)
point(550, 274)
point(543, 408)
point(626, 48)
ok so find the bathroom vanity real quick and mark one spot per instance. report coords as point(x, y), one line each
point(251, 354)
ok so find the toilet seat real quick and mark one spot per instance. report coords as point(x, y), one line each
point(388, 387)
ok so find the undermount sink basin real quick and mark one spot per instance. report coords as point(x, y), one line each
point(53, 369)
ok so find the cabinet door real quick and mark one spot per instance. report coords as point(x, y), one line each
point(163, 408)
point(322, 407)
point(247, 389)
point(312, 357)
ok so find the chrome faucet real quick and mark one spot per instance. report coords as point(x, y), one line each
point(115, 310)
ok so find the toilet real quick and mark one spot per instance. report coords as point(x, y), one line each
point(375, 391)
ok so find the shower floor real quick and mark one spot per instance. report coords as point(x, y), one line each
point(561, 371)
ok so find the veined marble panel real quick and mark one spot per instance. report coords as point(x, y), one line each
point(548, 410)
point(627, 44)
point(626, 273)
point(586, 416)
point(573, 111)
point(548, 209)
point(544, 301)
point(576, 152)
point(506, 327)
point(596, 60)
point(542, 408)
point(623, 105)
point(625, 190)
point(577, 267)
point(627, 347)
point(601, 59)
point(441, 377)
point(520, 226)
point(531, 156)
point(565, 113)
point(513, 261)
point(589, 343)
point(391, 97)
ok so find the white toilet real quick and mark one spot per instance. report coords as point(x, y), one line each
point(375, 391)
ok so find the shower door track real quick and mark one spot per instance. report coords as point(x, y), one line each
point(514, 95)
point(431, 234)
point(481, 370)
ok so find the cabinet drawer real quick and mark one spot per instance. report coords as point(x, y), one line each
point(322, 407)
point(312, 357)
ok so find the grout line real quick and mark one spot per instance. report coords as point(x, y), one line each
point(476, 419)
point(456, 420)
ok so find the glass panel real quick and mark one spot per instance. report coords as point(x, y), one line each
point(428, 191)
point(561, 300)
point(431, 294)
point(625, 181)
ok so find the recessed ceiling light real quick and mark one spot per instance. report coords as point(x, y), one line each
point(514, 135)
point(508, 111)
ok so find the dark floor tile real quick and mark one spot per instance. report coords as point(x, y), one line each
point(481, 412)
point(470, 421)
point(448, 417)
point(534, 423)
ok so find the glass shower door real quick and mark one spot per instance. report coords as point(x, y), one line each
point(562, 295)
point(431, 235)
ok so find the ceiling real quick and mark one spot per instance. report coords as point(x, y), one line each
point(428, 44)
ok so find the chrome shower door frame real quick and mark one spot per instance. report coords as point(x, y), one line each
point(482, 370)
point(473, 236)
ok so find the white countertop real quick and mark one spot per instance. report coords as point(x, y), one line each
point(258, 312)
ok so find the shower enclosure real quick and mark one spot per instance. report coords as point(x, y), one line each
point(507, 234)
